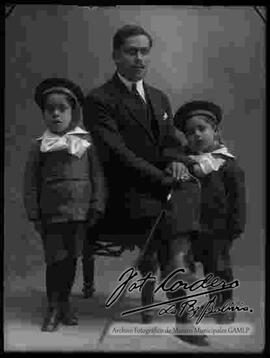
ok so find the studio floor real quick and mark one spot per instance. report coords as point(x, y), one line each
point(24, 306)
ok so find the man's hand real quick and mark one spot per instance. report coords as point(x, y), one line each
point(178, 171)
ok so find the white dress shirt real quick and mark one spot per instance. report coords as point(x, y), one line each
point(139, 85)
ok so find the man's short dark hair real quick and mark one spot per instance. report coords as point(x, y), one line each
point(127, 31)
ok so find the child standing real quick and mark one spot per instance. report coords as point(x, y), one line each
point(222, 207)
point(63, 192)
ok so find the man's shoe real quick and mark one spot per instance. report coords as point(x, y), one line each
point(51, 320)
point(67, 317)
point(147, 317)
point(88, 291)
point(200, 340)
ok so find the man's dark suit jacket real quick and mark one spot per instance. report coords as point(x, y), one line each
point(132, 158)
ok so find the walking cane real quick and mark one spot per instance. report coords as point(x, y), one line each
point(147, 246)
point(140, 257)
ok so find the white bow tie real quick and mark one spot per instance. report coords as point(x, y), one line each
point(72, 143)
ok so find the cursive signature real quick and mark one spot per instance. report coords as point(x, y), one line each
point(209, 308)
point(211, 284)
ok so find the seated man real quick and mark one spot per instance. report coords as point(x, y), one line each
point(131, 124)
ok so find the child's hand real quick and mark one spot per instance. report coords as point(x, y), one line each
point(38, 226)
point(197, 170)
point(94, 216)
point(235, 235)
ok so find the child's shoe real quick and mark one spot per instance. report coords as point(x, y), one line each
point(67, 316)
point(88, 291)
point(51, 320)
point(226, 317)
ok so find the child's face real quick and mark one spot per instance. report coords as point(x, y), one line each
point(200, 134)
point(57, 112)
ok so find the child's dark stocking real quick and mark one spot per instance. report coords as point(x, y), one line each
point(53, 278)
point(68, 276)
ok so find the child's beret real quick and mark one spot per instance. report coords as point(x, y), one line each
point(197, 108)
point(58, 85)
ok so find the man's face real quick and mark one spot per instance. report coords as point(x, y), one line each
point(133, 57)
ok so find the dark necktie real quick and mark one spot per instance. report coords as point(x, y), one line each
point(154, 125)
point(137, 94)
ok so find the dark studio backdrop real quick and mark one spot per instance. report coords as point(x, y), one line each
point(212, 53)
